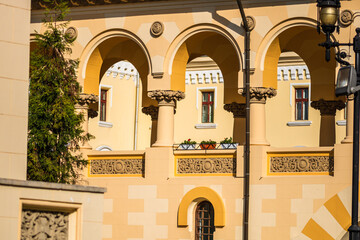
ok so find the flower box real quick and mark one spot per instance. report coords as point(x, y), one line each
point(184, 146)
point(207, 146)
point(229, 145)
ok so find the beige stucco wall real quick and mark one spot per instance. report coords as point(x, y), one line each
point(14, 74)
point(85, 203)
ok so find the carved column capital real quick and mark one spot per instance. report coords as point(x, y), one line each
point(328, 107)
point(152, 111)
point(166, 97)
point(238, 109)
point(84, 100)
point(259, 94)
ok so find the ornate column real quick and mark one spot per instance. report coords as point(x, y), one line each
point(239, 112)
point(165, 125)
point(83, 107)
point(258, 96)
point(153, 112)
point(349, 120)
point(327, 122)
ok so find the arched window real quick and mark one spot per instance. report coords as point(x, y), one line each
point(204, 221)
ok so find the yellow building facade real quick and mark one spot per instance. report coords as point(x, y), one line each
point(156, 73)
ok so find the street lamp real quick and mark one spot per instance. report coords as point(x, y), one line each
point(328, 17)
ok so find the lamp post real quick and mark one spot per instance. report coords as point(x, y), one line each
point(328, 17)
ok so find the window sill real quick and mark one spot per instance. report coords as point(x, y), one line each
point(206, 126)
point(299, 123)
point(105, 124)
point(341, 123)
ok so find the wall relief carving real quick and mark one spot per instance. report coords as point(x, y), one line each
point(206, 165)
point(116, 166)
point(297, 164)
point(44, 225)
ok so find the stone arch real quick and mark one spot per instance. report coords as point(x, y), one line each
point(332, 219)
point(210, 40)
point(199, 194)
point(300, 36)
point(108, 48)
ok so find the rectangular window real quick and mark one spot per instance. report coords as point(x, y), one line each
point(207, 115)
point(301, 104)
point(103, 102)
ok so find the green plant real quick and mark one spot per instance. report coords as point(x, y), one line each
point(208, 142)
point(227, 141)
point(55, 130)
point(188, 141)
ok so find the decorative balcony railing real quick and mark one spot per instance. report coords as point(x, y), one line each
point(211, 146)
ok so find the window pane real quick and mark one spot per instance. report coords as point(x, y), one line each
point(204, 97)
point(306, 93)
point(298, 111)
point(211, 114)
point(211, 96)
point(298, 93)
point(306, 111)
point(205, 113)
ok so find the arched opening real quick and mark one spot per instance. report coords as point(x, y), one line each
point(204, 221)
point(305, 104)
point(202, 109)
point(115, 67)
point(119, 117)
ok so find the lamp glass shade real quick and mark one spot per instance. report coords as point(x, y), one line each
point(328, 16)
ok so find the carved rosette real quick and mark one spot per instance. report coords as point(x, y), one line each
point(166, 97)
point(259, 94)
point(238, 109)
point(328, 107)
point(298, 164)
point(157, 28)
point(117, 166)
point(71, 34)
point(152, 111)
point(206, 165)
point(44, 225)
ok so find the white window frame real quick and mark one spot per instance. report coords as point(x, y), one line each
point(293, 86)
point(108, 88)
point(199, 91)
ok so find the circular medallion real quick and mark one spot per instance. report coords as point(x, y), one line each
point(303, 164)
point(157, 28)
point(251, 22)
point(71, 34)
point(346, 17)
point(207, 166)
point(119, 167)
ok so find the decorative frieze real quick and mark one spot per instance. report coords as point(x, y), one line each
point(328, 107)
point(238, 109)
point(287, 73)
point(301, 164)
point(206, 165)
point(44, 225)
point(116, 166)
point(152, 111)
point(41, 4)
point(203, 77)
point(166, 96)
point(123, 70)
point(259, 93)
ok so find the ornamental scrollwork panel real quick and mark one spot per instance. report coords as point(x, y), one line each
point(116, 166)
point(38, 225)
point(206, 165)
point(298, 164)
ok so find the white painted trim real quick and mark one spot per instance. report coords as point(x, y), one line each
point(109, 89)
point(103, 148)
point(201, 89)
point(206, 126)
point(341, 123)
point(299, 123)
point(296, 85)
point(105, 124)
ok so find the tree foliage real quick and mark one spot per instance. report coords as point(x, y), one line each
point(54, 126)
